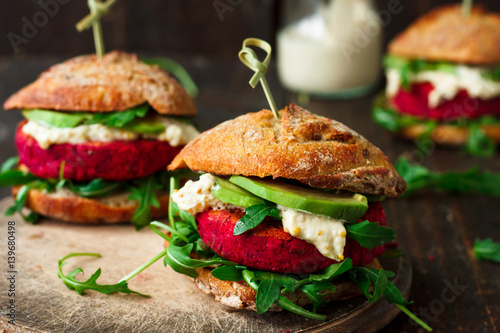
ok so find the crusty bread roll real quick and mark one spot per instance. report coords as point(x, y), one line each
point(316, 151)
point(118, 81)
point(445, 34)
point(66, 206)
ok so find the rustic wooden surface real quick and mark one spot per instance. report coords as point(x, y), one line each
point(182, 26)
point(436, 230)
point(44, 304)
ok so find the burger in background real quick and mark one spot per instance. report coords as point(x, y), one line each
point(443, 80)
point(97, 138)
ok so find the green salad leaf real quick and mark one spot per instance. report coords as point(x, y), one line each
point(95, 188)
point(269, 289)
point(487, 250)
point(469, 181)
point(316, 291)
point(228, 273)
point(179, 258)
point(254, 216)
point(478, 143)
point(15, 178)
point(412, 66)
point(366, 277)
point(20, 202)
point(137, 119)
point(10, 164)
point(144, 192)
point(369, 234)
point(91, 284)
point(118, 119)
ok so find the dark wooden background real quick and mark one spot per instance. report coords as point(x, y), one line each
point(173, 26)
point(437, 230)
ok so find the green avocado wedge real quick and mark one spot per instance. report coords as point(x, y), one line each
point(235, 195)
point(56, 119)
point(347, 207)
point(149, 125)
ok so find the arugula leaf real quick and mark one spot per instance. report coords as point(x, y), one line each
point(327, 274)
point(267, 293)
point(16, 177)
point(9, 164)
point(469, 181)
point(369, 235)
point(95, 188)
point(316, 291)
point(378, 279)
point(254, 216)
point(228, 273)
point(487, 250)
point(118, 119)
point(478, 143)
point(176, 70)
point(21, 199)
point(179, 258)
point(144, 193)
point(91, 284)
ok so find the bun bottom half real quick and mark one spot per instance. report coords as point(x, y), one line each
point(72, 208)
point(240, 295)
point(449, 135)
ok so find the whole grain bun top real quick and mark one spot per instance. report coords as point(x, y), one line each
point(118, 81)
point(445, 35)
point(314, 150)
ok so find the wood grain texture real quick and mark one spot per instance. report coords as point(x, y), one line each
point(436, 230)
point(44, 304)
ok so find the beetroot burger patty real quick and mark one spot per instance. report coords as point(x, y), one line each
point(268, 247)
point(415, 102)
point(113, 161)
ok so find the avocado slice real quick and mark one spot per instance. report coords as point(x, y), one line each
point(145, 126)
point(347, 207)
point(232, 194)
point(56, 119)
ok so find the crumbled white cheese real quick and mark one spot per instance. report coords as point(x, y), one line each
point(327, 234)
point(46, 136)
point(447, 85)
point(176, 133)
point(195, 197)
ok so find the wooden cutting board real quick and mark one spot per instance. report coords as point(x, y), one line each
point(44, 304)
